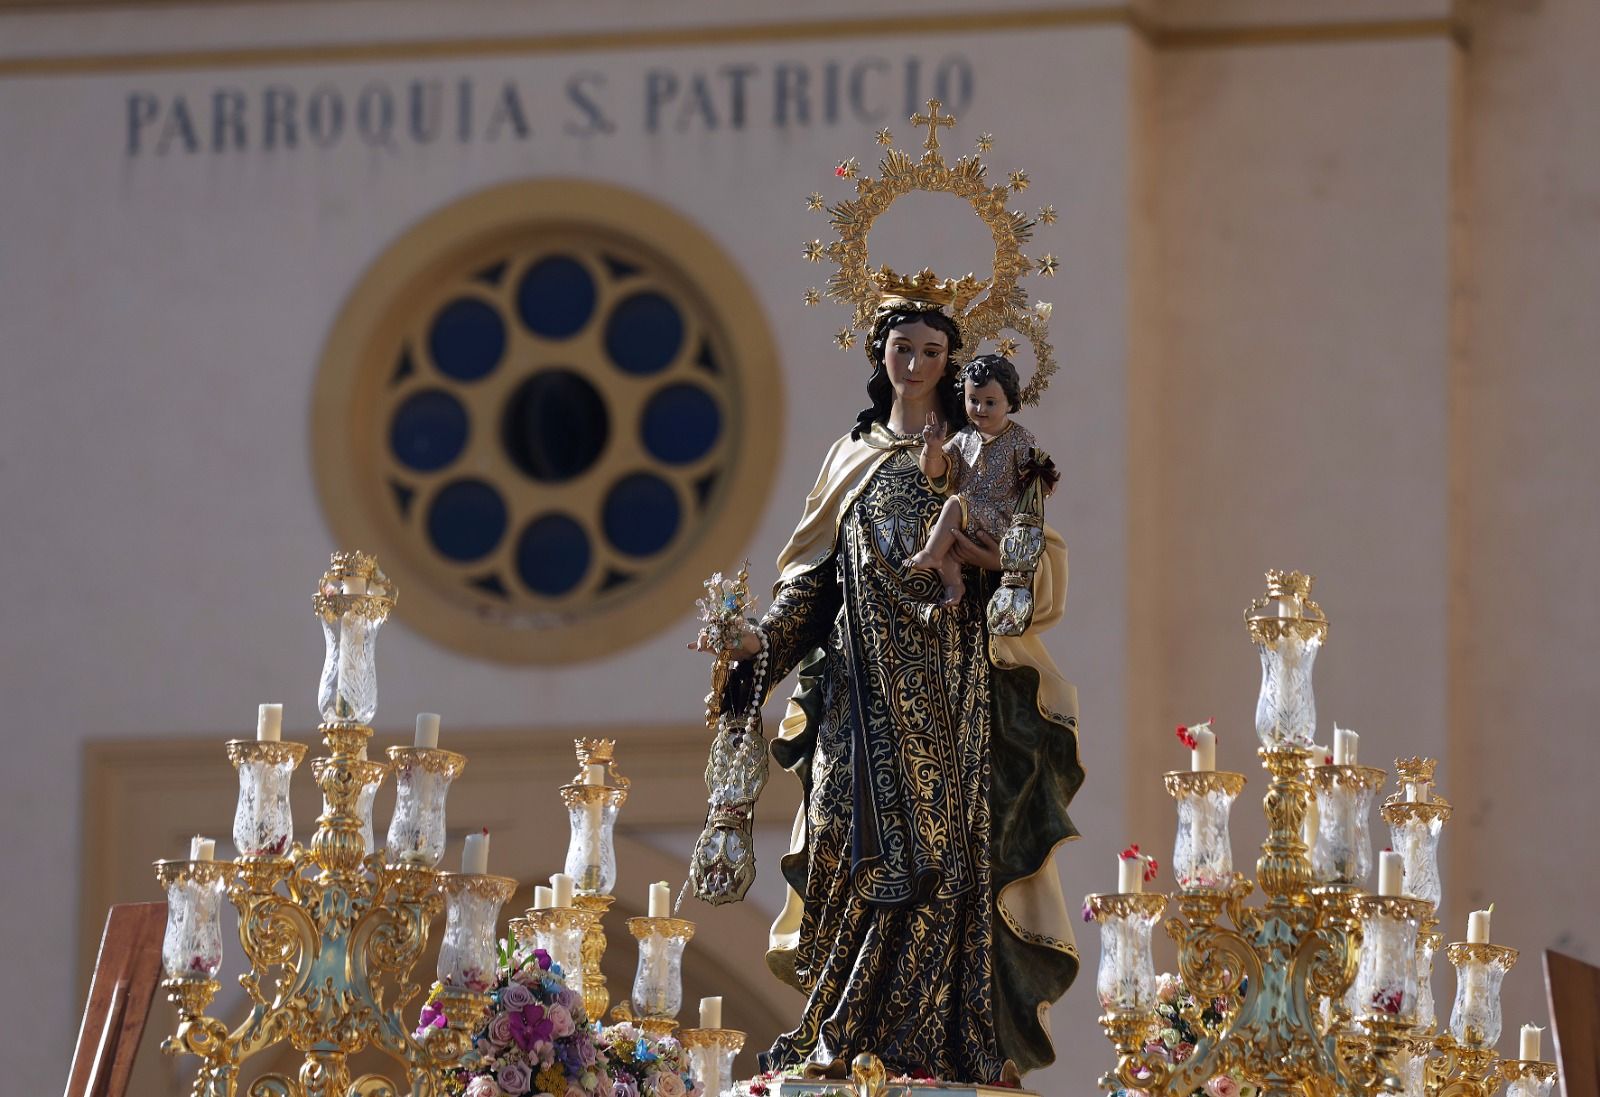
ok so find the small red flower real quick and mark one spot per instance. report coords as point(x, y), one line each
point(1186, 737)
point(1150, 866)
point(840, 171)
point(1131, 853)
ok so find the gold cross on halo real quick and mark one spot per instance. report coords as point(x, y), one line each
point(933, 120)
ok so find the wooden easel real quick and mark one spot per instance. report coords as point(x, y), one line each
point(126, 974)
point(1573, 988)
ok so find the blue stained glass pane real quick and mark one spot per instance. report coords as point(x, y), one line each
point(680, 424)
point(428, 430)
point(467, 339)
point(641, 514)
point(556, 297)
point(552, 555)
point(644, 333)
point(466, 520)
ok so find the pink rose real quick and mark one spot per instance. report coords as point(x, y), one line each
point(515, 996)
point(529, 976)
point(1222, 1085)
point(587, 1054)
point(484, 1086)
point(571, 999)
point(574, 1091)
point(560, 1019)
point(669, 1084)
point(603, 1086)
point(515, 1078)
point(1166, 986)
point(500, 1029)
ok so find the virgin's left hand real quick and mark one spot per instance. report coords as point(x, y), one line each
point(977, 549)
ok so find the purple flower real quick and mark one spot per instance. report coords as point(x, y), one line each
point(499, 1030)
point(542, 957)
point(514, 1077)
point(560, 1020)
point(625, 1087)
point(515, 996)
point(529, 1026)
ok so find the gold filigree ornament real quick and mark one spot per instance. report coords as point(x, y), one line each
point(981, 308)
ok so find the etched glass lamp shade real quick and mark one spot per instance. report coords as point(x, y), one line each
point(1126, 979)
point(1202, 855)
point(467, 950)
point(1342, 852)
point(1289, 629)
point(422, 781)
point(658, 980)
point(352, 601)
point(263, 821)
point(1386, 978)
point(191, 948)
point(1480, 970)
point(592, 852)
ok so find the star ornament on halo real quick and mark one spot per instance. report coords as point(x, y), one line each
point(846, 338)
point(985, 142)
point(813, 296)
point(1019, 181)
point(885, 137)
point(847, 169)
point(813, 252)
point(1048, 265)
point(814, 201)
point(1008, 347)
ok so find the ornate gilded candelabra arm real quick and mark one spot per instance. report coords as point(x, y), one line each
point(1462, 1070)
point(1136, 1067)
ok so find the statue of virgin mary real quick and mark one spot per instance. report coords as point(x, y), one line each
point(925, 922)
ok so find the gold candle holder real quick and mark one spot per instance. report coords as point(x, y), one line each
point(562, 932)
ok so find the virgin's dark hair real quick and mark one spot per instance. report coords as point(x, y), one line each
point(881, 392)
point(994, 367)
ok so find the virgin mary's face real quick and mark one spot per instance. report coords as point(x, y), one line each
point(914, 357)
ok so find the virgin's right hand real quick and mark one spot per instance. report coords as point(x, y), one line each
point(749, 643)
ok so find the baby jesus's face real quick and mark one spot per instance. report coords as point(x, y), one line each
point(986, 406)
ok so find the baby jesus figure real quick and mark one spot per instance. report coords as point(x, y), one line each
point(982, 467)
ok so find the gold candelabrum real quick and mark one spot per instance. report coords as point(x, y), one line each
point(332, 930)
point(1327, 986)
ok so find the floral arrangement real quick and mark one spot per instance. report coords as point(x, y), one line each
point(641, 1067)
point(536, 1040)
point(1181, 1018)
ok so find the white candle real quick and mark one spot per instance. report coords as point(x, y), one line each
point(1345, 743)
point(475, 854)
point(594, 774)
point(1417, 793)
point(1203, 758)
point(1313, 820)
point(1530, 1043)
point(543, 898)
point(711, 1015)
point(1478, 927)
point(269, 723)
point(427, 730)
point(1391, 870)
point(355, 585)
point(660, 900)
point(1130, 875)
point(561, 890)
point(202, 849)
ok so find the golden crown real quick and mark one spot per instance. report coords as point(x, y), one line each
point(926, 287)
point(981, 308)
